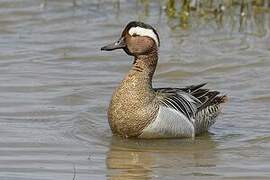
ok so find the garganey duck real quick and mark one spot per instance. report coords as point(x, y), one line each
point(139, 110)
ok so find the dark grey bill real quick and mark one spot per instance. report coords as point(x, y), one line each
point(116, 45)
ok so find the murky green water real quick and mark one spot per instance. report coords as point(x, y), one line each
point(55, 85)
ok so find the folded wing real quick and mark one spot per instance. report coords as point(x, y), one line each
point(200, 106)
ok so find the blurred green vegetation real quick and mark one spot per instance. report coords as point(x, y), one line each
point(186, 12)
point(252, 16)
point(184, 9)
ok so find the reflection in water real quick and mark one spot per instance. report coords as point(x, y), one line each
point(143, 159)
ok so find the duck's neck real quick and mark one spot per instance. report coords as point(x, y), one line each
point(142, 70)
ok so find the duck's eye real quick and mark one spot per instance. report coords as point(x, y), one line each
point(134, 35)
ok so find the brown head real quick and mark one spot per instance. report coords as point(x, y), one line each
point(137, 39)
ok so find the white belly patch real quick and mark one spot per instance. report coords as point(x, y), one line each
point(168, 123)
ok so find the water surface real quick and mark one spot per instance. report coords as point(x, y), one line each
point(55, 85)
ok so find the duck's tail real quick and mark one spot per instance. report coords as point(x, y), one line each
point(206, 114)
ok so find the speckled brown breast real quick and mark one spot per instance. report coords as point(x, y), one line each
point(133, 105)
point(131, 109)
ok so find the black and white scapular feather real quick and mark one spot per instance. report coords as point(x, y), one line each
point(199, 106)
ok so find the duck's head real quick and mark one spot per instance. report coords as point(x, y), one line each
point(136, 39)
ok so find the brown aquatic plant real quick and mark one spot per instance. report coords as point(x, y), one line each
point(184, 13)
point(170, 8)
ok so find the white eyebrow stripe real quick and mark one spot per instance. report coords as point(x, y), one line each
point(144, 32)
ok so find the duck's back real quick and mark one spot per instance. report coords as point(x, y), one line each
point(184, 112)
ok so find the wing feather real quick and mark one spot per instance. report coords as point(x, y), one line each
point(199, 106)
point(179, 100)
